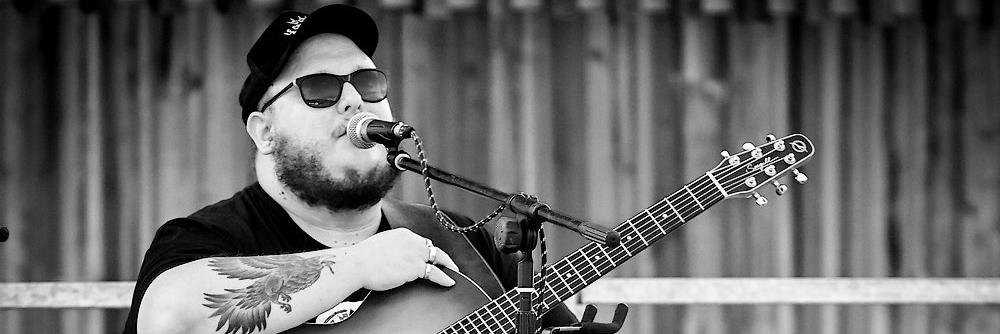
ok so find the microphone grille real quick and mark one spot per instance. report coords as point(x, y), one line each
point(356, 127)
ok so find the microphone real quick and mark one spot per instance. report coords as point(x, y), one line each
point(366, 130)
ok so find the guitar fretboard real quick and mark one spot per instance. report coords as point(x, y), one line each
point(586, 265)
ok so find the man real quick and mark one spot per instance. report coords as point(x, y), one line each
point(313, 236)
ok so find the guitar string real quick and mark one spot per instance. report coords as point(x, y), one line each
point(641, 222)
point(705, 189)
point(509, 307)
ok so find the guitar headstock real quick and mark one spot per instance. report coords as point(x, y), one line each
point(743, 174)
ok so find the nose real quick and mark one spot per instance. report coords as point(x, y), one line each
point(350, 101)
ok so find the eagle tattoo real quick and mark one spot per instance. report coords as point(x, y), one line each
point(275, 278)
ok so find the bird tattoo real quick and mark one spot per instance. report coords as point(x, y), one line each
point(275, 278)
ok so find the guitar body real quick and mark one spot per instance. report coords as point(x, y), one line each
point(418, 307)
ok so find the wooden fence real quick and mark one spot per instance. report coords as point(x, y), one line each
point(118, 115)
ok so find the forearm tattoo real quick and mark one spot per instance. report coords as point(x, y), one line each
point(275, 278)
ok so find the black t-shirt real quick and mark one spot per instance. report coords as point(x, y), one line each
point(251, 223)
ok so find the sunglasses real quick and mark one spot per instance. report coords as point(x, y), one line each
point(322, 90)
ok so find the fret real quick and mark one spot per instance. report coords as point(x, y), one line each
point(626, 251)
point(582, 279)
point(503, 316)
point(607, 255)
point(568, 273)
point(466, 324)
point(638, 233)
point(716, 182)
point(592, 265)
point(675, 211)
point(481, 323)
point(656, 222)
point(477, 329)
point(568, 288)
point(695, 198)
point(495, 321)
point(511, 301)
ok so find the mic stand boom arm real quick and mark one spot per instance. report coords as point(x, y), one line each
point(525, 205)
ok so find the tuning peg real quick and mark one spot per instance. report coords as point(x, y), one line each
point(760, 200)
point(779, 188)
point(725, 154)
point(770, 137)
point(748, 146)
point(800, 177)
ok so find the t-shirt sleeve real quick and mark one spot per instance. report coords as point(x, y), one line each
point(177, 242)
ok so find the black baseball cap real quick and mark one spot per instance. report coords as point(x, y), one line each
point(276, 44)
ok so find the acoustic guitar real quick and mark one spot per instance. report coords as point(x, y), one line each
point(421, 307)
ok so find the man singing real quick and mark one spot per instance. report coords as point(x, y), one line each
point(314, 235)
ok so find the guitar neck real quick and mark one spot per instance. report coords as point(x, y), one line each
point(586, 265)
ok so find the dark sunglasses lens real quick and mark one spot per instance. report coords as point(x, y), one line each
point(320, 91)
point(371, 84)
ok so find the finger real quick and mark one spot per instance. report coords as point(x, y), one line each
point(443, 259)
point(438, 276)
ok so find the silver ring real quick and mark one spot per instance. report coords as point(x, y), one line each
point(429, 243)
point(432, 254)
point(427, 270)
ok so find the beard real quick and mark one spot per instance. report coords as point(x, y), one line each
point(301, 170)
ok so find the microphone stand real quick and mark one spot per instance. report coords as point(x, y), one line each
point(528, 206)
point(518, 203)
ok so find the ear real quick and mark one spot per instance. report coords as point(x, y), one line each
point(261, 131)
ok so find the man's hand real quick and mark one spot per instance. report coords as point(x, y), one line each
point(387, 260)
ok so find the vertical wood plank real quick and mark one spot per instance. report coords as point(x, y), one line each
point(192, 79)
point(149, 218)
point(633, 191)
point(716, 6)
point(781, 7)
point(905, 8)
point(72, 149)
point(93, 255)
point(227, 156)
point(12, 252)
point(415, 57)
point(944, 151)
point(844, 7)
point(123, 201)
point(652, 6)
point(760, 239)
point(980, 123)
point(472, 105)
point(599, 109)
point(868, 170)
point(820, 105)
point(537, 116)
point(568, 44)
point(703, 94)
point(908, 108)
point(967, 9)
point(502, 115)
point(647, 75)
point(172, 177)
